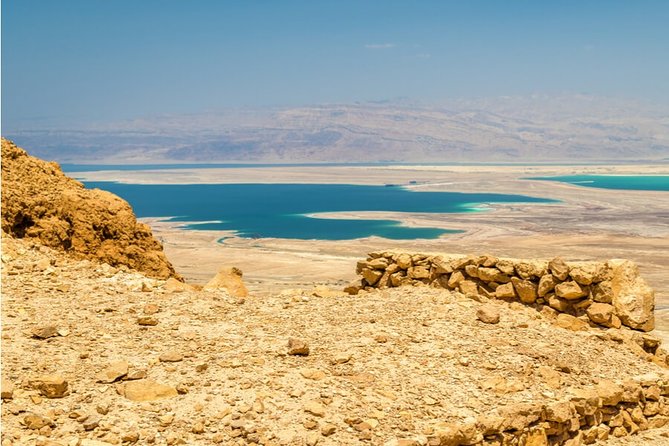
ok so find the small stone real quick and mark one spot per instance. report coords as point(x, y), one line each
point(201, 367)
point(35, 422)
point(488, 314)
point(341, 358)
point(297, 347)
point(314, 408)
point(198, 428)
point(570, 322)
point(171, 356)
point(312, 439)
point(113, 372)
point(44, 332)
point(51, 386)
point(381, 338)
point(146, 390)
point(7, 389)
point(151, 309)
point(130, 437)
point(36, 399)
point(314, 374)
point(559, 268)
point(328, 429)
point(147, 321)
point(91, 423)
point(135, 374)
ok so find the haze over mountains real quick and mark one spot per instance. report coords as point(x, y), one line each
point(569, 128)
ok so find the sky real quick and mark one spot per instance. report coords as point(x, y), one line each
point(95, 60)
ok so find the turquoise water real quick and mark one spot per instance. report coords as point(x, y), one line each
point(278, 210)
point(621, 182)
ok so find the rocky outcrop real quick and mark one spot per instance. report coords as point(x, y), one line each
point(39, 202)
point(609, 294)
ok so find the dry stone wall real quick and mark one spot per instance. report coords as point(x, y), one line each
point(609, 293)
point(588, 416)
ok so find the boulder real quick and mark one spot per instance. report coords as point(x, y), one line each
point(229, 279)
point(51, 386)
point(633, 299)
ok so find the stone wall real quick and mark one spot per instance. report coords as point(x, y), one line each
point(591, 415)
point(609, 294)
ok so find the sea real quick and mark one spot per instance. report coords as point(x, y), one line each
point(292, 210)
point(618, 182)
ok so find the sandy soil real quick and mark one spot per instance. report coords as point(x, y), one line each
point(587, 223)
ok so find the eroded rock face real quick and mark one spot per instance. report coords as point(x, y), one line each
point(40, 202)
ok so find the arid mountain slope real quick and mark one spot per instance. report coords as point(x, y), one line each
point(40, 202)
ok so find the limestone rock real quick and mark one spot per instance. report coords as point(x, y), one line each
point(40, 202)
point(314, 408)
point(488, 314)
point(559, 268)
point(229, 279)
point(113, 372)
point(371, 276)
point(570, 290)
point(546, 284)
point(570, 322)
point(298, 347)
point(601, 314)
point(633, 299)
point(404, 261)
point(505, 291)
point(6, 389)
point(171, 356)
point(526, 290)
point(51, 386)
point(44, 332)
point(146, 390)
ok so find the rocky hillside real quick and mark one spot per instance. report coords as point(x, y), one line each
point(94, 355)
point(40, 202)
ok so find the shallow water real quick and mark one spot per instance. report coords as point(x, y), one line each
point(279, 210)
point(620, 182)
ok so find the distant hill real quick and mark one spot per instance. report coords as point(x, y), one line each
point(510, 129)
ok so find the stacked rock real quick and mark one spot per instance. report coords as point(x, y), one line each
point(610, 293)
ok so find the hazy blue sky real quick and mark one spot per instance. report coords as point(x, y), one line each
point(95, 59)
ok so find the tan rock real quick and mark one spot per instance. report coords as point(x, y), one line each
point(505, 291)
point(147, 321)
point(601, 314)
point(602, 292)
point(380, 263)
point(354, 287)
point(559, 268)
point(314, 408)
point(6, 389)
point(113, 372)
point(609, 392)
point(530, 268)
point(570, 322)
point(418, 272)
point(51, 386)
point(488, 314)
point(455, 279)
point(546, 285)
point(229, 279)
point(570, 290)
point(633, 299)
point(297, 347)
point(404, 261)
point(536, 437)
point(584, 273)
point(44, 332)
point(34, 421)
point(492, 275)
point(146, 390)
point(526, 290)
point(468, 288)
point(171, 356)
point(328, 429)
point(506, 267)
point(560, 412)
point(561, 305)
point(371, 276)
point(314, 374)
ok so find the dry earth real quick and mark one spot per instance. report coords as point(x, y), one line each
point(383, 366)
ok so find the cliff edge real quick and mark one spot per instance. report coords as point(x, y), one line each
point(40, 202)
